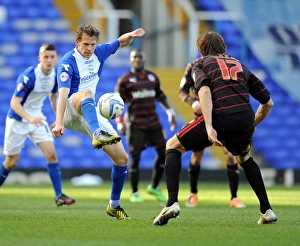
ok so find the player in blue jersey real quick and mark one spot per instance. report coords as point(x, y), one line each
point(78, 75)
point(26, 119)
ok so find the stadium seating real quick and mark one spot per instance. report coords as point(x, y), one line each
point(27, 28)
point(270, 139)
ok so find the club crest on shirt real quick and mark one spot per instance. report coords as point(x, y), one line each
point(64, 76)
point(151, 77)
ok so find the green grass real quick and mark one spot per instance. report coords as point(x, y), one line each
point(28, 216)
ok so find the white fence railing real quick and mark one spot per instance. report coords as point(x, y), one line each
point(195, 17)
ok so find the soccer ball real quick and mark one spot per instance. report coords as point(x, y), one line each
point(110, 105)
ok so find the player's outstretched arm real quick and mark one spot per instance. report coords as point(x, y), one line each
point(127, 38)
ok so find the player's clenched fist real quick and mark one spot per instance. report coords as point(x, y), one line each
point(58, 131)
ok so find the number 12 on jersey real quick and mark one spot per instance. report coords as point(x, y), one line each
point(229, 72)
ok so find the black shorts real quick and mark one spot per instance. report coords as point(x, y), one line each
point(234, 131)
point(193, 136)
point(139, 139)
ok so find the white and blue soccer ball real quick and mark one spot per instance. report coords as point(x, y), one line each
point(110, 105)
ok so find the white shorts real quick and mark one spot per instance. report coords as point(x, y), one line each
point(16, 133)
point(75, 121)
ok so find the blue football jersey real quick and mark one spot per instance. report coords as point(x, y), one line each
point(78, 73)
point(33, 86)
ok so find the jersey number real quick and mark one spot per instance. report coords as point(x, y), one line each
point(230, 73)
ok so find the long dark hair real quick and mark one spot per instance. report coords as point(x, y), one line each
point(211, 43)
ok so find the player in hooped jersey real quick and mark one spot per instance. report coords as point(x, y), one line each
point(26, 119)
point(224, 86)
point(140, 89)
point(187, 85)
point(78, 75)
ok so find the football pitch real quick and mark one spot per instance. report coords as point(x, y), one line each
point(29, 216)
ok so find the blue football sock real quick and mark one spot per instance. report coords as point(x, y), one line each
point(88, 111)
point(3, 174)
point(118, 177)
point(54, 173)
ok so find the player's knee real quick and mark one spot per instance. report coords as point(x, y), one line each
point(196, 157)
point(230, 159)
point(87, 94)
point(10, 165)
point(241, 159)
point(122, 160)
point(173, 143)
point(11, 161)
point(51, 156)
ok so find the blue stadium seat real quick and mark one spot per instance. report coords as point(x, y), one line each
point(210, 5)
point(267, 144)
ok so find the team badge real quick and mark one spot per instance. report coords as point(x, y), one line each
point(151, 77)
point(64, 76)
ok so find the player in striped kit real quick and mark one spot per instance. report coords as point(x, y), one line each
point(187, 85)
point(140, 89)
point(224, 86)
point(26, 119)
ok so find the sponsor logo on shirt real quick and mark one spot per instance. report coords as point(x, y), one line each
point(143, 94)
point(64, 76)
point(89, 61)
point(88, 78)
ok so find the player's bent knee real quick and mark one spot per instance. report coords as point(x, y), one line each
point(51, 157)
point(121, 159)
point(241, 159)
point(87, 94)
point(172, 143)
point(11, 162)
